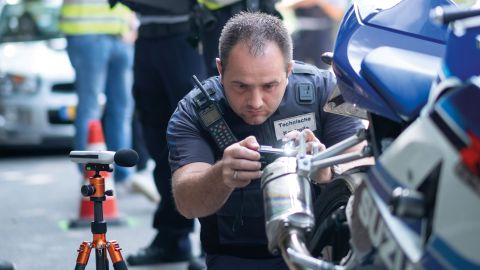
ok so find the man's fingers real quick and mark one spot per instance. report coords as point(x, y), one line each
point(246, 176)
point(250, 142)
point(295, 135)
point(239, 178)
point(292, 135)
point(320, 147)
point(240, 151)
point(246, 165)
point(310, 136)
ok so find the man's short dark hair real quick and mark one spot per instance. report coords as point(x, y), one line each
point(256, 29)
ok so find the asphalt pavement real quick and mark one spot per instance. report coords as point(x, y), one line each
point(40, 195)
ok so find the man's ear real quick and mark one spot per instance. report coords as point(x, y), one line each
point(289, 68)
point(219, 66)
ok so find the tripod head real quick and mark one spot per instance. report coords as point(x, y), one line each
point(101, 161)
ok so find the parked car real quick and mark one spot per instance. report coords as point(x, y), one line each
point(37, 97)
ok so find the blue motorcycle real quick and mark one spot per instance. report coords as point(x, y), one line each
point(412, 69)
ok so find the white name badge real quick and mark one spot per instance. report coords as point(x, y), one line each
point(299, 122)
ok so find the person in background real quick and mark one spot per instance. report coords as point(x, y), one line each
point(211, 16)
point(259, 92)
point(164, 61)
point(99, 45)
point(316, 23)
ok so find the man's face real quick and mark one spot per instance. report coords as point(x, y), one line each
point(254, 85)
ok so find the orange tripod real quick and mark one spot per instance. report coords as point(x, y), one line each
point(97, 193)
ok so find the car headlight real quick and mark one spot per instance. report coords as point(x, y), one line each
point(11, 84)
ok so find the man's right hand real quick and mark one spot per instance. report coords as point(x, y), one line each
point(241, 163)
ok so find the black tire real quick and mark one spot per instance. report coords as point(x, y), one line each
point(331, 227)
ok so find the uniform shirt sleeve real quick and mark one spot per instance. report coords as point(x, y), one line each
point(185, 137)
point(335, 127)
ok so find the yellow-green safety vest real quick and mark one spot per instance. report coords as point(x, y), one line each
point(79, 17)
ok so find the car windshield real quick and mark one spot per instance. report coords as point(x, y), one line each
point(29, 20)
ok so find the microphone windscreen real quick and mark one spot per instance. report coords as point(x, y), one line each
point(126, 158)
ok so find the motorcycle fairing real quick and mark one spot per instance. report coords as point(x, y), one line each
point(402, 77)
point(461, 111)
point(357, 38)
point(378, 238)
point(463, 43)
point(411, 17)
point(436, 252)
point(448, 237)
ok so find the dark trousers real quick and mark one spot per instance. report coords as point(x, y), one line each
point(210, 40)
point(138, 142)
point(163, 69)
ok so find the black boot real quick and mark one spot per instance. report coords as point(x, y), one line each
point(197, 263)
point(162, 251)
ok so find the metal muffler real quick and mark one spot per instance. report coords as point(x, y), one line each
point(287, 202)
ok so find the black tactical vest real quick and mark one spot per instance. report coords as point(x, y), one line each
point(238, 228)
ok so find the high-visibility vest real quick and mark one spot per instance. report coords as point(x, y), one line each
point(79, 17)
point(216, 4)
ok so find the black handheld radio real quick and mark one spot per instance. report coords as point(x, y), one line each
point(211, 119)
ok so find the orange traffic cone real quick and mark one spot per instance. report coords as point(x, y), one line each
point(96, 142)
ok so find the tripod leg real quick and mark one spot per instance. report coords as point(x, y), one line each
point(116, 255)
point(101, 258)
point(83, 255)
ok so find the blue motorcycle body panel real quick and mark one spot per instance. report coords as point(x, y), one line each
point(407, 83)
point(417, 23)
point(466, 44)
point(462, 110)
point(359, 37)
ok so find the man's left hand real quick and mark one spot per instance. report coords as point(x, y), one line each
point(323, 175)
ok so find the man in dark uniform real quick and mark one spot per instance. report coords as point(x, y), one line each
point(263, 95)
point(164, 63)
